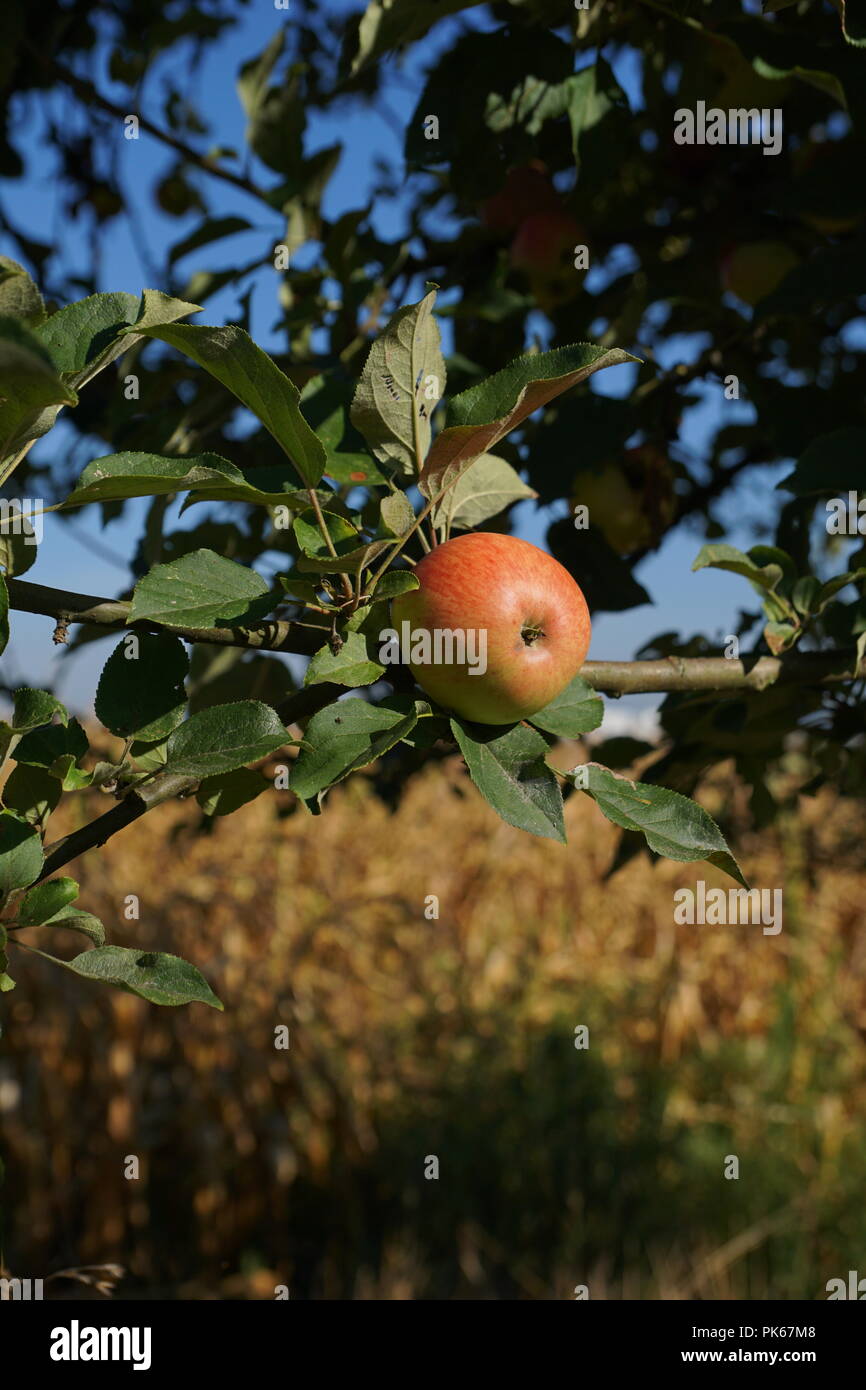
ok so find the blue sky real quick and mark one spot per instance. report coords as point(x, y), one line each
point(82, 555)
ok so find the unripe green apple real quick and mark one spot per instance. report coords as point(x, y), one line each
point(754, 270)
point(631, 500)
point(532, 614)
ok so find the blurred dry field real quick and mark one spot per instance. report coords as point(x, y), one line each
point(455, 1038)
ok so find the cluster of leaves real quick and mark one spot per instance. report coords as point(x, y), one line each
point(325, 494)
point(342, 547)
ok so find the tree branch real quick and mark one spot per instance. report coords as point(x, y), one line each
point(167, 785)
point(277, 635)
point(92, 97)
point(721, 673)
point(611, 677)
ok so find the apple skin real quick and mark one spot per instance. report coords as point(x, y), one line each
point(544, 241)
point(755, 269)
point(543, 250)
point(527, 189)
point(507, 587)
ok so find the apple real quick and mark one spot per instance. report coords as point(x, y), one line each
point(754, 270)
point(527, 189)
point(631, 500)
point(828, 199)
point(527, 608)
point(544, 250)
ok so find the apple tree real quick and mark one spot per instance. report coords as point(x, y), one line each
point(563, 235)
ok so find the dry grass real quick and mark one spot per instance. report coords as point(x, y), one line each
point(451, 1037)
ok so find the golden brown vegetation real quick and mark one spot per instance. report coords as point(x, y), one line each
point(451, 1037)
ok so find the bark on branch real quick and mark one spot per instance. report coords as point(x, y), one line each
point(663, 675)
point(278, 635)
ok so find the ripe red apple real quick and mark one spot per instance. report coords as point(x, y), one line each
point(527, 189)
point(543, 240)
point(544, 250)
point(533, 616)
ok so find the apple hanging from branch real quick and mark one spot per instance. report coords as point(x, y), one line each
point(531, 614)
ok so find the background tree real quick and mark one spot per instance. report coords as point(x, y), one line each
point(546, 195)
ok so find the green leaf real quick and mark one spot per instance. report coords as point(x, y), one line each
point(46, 900)
point(87, 336)
point(18, 543)
point(485, 489)
point(325, 402)
point(221, 795)
point(258, 487)
point(141, 689)
point(350, 666)
point(300, 590)
point(152, 975)
point(21, 855)
point(73, 919)
point(393, 583)
point(672, 825)
point(344, 536)
point(764, 578)
point(349, 562)
point(576, 710)
point(201, 589)
point(224, 737)
point(343, 738)
point(481, 416)
point(397, 513)
point(588, 98)
point(275, 112)
point(510, 771)
point(805, 593)
point(831, 465)
point(231, 356)
point(210, 230)
point(31, 388)
point(19, 297)
point(56, 747)
point(36, 707)
point(353, 468)
point(149, 757)
point(254, 76)
point(835, 585)
point(402, 381)
point(385, 25)
point(32, 792)
point(118, 476)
